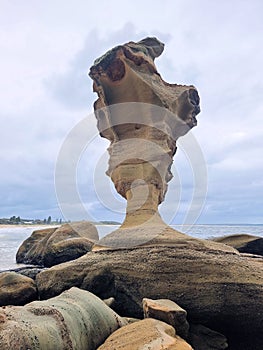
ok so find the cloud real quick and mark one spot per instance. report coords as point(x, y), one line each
point(73, 88)
point(46, 54)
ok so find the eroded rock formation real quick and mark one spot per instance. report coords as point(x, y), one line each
point(142, 116)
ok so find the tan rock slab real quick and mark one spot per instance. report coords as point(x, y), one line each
point(148, 334)
point(169, 312)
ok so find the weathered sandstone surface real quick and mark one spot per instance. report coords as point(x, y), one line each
point(55, 245)
point(75, 320)
point(146, 334)
point(16, 289)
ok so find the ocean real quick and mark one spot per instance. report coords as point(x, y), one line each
point(12, 237)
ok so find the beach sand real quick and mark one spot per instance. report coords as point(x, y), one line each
point(28, 225)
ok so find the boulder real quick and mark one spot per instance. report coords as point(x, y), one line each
point(32, 250)
point(16, 289)
point(219, 288)
point(145, 334)
point(55, 245)
point(167, 311)
point(203, 338)
point(243, 243)
point(75, 320)
point(29, 271)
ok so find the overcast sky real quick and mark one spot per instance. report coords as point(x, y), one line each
point(47, 48)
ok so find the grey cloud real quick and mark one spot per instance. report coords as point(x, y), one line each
point(222, 55)
point(28, 201)
point(74, 88)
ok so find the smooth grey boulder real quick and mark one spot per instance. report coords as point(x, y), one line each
point(75, 320)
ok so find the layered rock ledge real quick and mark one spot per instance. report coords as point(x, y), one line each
point(219, 289)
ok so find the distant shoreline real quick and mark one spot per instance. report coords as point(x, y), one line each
point(39, 226)
point(28, 225)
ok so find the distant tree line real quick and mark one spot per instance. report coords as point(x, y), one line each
point(15, 220)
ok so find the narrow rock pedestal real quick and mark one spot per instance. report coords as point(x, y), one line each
point(142, 116)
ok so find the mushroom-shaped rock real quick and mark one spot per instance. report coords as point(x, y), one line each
point(16, 289)
point(75, 320)
point(142, 116)
point(53, 246)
